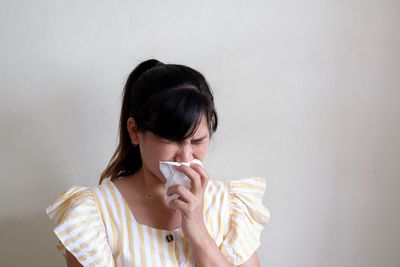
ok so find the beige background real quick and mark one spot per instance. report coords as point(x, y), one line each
point(307, 93)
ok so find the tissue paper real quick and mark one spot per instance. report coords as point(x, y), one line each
point(174, 176)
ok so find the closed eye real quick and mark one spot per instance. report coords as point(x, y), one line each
point(166, 141)
point(200, 140)
point(194, 141)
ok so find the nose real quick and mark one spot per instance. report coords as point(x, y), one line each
point(184, 153)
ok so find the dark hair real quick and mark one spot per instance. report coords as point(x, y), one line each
point(165, 99)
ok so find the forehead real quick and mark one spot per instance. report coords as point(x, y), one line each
point(203, 127)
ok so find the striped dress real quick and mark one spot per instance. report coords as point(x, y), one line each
point(97, 226)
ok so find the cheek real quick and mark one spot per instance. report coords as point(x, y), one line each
point(163, 152)
point(166, 151)
point(151, 159)
point(157, 149)
point(200, 151)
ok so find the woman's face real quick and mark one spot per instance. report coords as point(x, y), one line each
point(154, 149)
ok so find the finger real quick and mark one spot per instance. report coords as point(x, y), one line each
point(193, 176)
point(178, 204)
point(183, 192)
point(203, 174)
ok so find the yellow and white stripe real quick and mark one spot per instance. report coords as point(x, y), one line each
point(248, 217)
point(80, 228)
point(97, 226)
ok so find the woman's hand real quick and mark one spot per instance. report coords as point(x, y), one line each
point(191, 203)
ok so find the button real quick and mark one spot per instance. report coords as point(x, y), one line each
point(169, 238)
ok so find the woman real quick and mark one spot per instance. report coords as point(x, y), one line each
point(167, 114)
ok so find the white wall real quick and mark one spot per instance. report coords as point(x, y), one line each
point(307, 93)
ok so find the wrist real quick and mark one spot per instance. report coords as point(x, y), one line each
point(201, 238)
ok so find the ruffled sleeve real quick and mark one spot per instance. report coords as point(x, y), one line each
point(79, 227)
point(248, 217)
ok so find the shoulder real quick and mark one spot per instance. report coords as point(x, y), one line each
point(78, 225)
point(247, 217)
point(71, 200)
point(248, 187)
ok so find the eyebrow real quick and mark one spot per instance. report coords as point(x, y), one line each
point(201, 138)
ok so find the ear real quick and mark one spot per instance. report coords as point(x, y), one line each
point(132, 129)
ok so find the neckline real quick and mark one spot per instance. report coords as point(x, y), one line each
point(126, 206)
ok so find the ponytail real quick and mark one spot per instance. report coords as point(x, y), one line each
point(126, 159)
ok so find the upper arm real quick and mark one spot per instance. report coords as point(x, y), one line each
point(252, 261)
point(71, 260)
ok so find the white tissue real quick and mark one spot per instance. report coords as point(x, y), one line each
point(174, 177)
